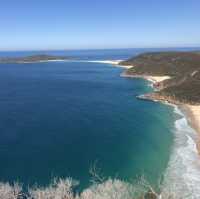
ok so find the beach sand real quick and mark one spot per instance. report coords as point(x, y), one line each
point(193, 116)
point(114, 63)
point(117, 63)
point(156, 79)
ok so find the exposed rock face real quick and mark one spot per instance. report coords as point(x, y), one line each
point(183, 67)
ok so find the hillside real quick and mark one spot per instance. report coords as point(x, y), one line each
point(182, 67)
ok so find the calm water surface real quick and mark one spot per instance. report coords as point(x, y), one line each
point(57, 119)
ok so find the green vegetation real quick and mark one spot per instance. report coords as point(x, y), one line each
point(183, 67)
point(31, 59)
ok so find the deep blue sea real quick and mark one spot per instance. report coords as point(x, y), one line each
point(59, 119)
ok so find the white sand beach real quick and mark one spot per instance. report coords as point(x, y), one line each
point(113, 62)
point(157, 79)
point(193, 113)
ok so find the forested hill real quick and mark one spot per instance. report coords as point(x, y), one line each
point(182, 67)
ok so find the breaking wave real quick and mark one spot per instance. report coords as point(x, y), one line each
point(181, 179)
point(183, 173)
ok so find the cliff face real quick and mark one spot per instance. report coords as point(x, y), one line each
point(183, 67)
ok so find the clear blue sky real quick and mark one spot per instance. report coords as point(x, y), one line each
point(86, 24)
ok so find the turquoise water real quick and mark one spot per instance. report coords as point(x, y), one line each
point(58, 119)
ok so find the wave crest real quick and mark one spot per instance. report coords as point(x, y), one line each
point(183, 173)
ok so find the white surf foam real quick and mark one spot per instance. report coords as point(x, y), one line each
point(182, 178)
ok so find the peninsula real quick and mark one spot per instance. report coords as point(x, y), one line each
point(32, 59)
point(176, 79)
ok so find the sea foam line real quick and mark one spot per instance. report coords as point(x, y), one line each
point(182, 176)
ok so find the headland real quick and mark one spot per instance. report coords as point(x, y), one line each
point(175, 77)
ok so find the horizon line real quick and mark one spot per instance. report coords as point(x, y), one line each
point(85, 49)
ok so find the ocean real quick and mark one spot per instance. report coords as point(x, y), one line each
point(61, 119)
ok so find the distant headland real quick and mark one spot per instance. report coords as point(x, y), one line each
point(32, 59)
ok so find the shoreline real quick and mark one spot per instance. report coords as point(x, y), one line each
point(183, 169)
point(154, 79)
point(191, 112)
point(115, 63)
